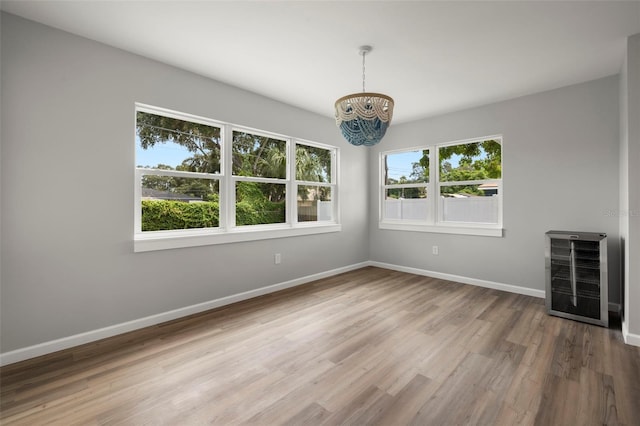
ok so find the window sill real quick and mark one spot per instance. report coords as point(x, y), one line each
point(151, 241)
point(458, 228)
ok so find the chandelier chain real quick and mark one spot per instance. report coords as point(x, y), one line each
point(363, 55)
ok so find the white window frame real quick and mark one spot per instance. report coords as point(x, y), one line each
point(231, 189)
point(227, 231)
point(332, 184)
point(434, 222)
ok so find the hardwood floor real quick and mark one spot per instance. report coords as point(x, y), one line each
point(371, 346)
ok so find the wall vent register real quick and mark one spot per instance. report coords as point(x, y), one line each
point(576, 275)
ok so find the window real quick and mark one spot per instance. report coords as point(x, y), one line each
point(195, 188)
point(314, 184)
point(406, 178)
point(453, 187)
point(179, 173)
point(259, 167)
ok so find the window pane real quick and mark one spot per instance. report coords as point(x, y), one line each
point(169, 143)
point(313, 164)
point(471, 161)
point(179, 203)
point(470, 203)
point(314, 203)
point(406, 167)
point(260, 203)
point(259, 156)
point(406, 204)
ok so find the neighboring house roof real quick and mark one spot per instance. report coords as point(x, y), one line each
point(155, 194)
point(488, 186)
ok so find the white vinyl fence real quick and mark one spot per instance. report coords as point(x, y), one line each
point(469, 209)
point(325, 210)
point(407, 209)
point(316, 210)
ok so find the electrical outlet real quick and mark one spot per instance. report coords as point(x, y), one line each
point(435, 250)
point(277, 258)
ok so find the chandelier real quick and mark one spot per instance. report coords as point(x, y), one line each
point(364, 117)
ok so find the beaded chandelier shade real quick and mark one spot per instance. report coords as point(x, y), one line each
point(364, 117)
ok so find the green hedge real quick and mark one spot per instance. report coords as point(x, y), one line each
point(160, 215)
point(248, 213)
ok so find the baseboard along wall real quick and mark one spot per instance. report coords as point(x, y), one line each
point(102, 333)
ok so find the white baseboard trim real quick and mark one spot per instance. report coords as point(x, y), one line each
point(102, 333)
point(465, 280)
point(629, 338)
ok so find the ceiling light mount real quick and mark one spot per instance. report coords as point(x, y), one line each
point(364, 117)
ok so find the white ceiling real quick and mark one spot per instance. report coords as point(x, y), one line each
point(431, 57)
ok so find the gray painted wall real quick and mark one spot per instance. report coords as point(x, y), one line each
point(68, 264)
point(630, 182)
point(560, 158)
point(624, 189)
point(67, 188)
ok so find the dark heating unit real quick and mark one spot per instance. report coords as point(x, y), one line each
point(576, 272)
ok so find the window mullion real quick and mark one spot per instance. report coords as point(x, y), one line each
point(334, 188)
point(500, 199)
point(176, 173)
point(382, 184)
point(434, 188)
point(291, 204)
point(469, 182)
point(228, 196)
point(312, 183)
point(259, 179)
point(407, 185)
point(138, 202)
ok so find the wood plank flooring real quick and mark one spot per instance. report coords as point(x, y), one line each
point(371, 346)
